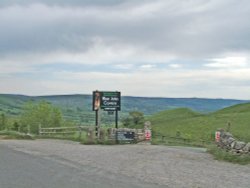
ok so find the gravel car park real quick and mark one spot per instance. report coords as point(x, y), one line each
point(140, 165)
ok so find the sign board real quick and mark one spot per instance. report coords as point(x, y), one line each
point(126, 136)
point(96, 100)
point(147, 134)
point(217, 136)
point(107, 100)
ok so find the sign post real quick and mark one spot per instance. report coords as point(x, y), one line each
point(109, 101)
point(96, 108)
point(116, 119)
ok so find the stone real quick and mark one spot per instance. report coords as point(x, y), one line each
point(233, 144)
point(223, 141)
point(227, 135)
point(239, 145)
point(247, 147)
point(230, 140)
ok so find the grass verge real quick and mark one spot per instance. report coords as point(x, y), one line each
point(224, 155)
point(15, 135)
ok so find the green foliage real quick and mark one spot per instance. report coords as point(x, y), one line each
point(15, 126)
point(3, 121)
point(42, 114)
point(134, 120)
point(78, 108)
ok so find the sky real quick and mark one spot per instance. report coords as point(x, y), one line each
point(152, 48)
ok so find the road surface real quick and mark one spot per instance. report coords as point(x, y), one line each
point(66, 164)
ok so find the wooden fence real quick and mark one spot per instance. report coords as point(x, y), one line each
point(121, 135)
point(62, 130)
point(167, 139)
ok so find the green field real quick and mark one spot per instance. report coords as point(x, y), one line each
point(197, 121)
point(197, 126)
point(78, 108)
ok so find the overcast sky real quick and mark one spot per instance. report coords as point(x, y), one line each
point(162, 48)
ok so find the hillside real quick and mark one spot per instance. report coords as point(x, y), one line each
point(197, 126)
point(79, 107)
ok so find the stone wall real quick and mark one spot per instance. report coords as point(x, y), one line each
point(227, 141)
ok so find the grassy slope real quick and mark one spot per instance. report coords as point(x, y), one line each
point(148, 105)
point(78, 107)
point(197, 126)
point(12, 104)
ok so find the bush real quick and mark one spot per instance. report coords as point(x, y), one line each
point(43, 114)
point(134, 120)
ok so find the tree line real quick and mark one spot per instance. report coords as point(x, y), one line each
point(34, 115)
point(44, 114)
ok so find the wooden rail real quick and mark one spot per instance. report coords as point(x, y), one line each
point(167, 139)
point(62, 130)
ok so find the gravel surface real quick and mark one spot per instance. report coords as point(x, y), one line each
point(157, 165)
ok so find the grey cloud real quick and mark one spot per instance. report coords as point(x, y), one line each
point(4, 3)
point(183, 28)
point(221, 28)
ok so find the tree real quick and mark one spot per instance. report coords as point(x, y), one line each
point(56, 117)
point(41, 114)
point(16, 126)
point(134, 120)
point(3, 122)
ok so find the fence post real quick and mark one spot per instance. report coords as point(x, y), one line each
point(39, 129)
point(28, 129)
point(80, 133)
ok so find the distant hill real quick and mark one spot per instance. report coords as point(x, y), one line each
point(199, 126)
point(79, 107)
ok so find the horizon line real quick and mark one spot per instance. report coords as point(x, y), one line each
point(160, 97)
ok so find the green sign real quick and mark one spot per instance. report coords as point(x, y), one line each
point(107, 100)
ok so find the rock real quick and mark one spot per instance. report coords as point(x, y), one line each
point(247, 147)
point(230, 140)
point(239, 145)
point(226, 135)
point(223, 141)
point(233, 144)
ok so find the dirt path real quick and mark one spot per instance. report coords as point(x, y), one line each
point(2, 137)
point(157, 165)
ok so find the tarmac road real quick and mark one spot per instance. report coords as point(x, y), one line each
point(66, 164)
point(22, 170)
